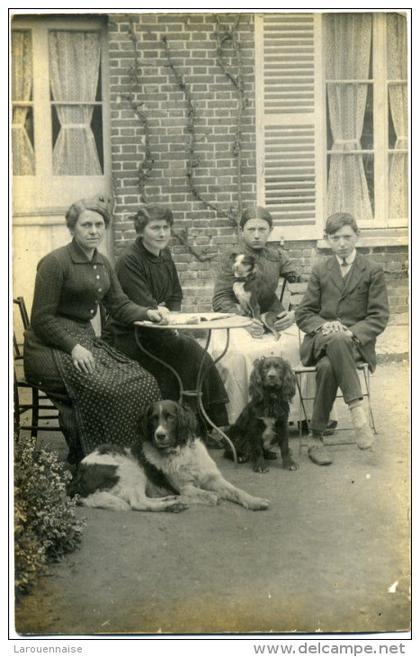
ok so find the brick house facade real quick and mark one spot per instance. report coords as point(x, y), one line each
point(136, 73)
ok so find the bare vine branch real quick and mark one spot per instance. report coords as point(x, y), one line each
point(193, 160)
point(201, 255)
point(145, 167)
point(229, 36)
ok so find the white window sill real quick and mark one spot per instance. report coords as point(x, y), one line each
point(388, 238)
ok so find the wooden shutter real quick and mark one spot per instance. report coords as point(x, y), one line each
point(288, 101)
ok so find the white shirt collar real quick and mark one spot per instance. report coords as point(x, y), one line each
point(349, 259)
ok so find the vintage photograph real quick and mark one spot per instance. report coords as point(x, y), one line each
point(210, 242)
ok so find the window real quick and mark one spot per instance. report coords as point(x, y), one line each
point(367, 117)
point(58, 110)
point(22, 104)
point(332, 127)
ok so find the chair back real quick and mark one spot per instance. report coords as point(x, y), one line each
point(24, 324)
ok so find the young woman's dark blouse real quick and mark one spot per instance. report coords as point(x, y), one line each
point(147, 279)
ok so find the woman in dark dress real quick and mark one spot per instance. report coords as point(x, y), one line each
point(100, 393)
point(148, 276)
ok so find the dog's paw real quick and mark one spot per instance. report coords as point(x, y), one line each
point(260, 466)
point(258, 504)
point(290, 465)
point(176, 507)
point(242, 458)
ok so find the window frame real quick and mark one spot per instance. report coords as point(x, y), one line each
point(44, 193)
point(381, 150)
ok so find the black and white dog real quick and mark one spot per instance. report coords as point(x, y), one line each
point(168, 457)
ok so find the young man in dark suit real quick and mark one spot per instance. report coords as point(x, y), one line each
point(344, 309)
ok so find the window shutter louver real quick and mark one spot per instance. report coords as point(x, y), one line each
point(287, 141)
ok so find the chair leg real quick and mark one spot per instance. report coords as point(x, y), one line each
point(16, 414)
point(366, 375)
point(302, 405)
point(35, 413)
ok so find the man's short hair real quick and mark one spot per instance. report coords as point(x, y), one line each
point(338, 220)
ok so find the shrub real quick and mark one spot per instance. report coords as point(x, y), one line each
point(46, 526)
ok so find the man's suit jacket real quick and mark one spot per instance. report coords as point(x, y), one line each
point(359, 301)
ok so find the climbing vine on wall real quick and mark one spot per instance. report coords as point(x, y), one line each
point(226, 37)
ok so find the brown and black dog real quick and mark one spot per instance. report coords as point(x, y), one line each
point(263, 423)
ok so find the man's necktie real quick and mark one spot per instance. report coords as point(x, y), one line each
point(344, 267)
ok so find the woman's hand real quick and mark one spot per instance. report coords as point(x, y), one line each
point(157, 316)
point(83, 359)
point(164, 311)
point(284, 320)
point(256, 329)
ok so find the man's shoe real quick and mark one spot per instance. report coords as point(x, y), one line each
point(318, 453)
point(365, 438)
point(330, 428)
point(364, 434)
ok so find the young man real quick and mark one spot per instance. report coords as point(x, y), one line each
point(344, 309)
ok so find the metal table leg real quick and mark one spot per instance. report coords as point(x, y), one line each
point(162, 362)
point(200, 378)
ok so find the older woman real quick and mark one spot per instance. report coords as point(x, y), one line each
point(99, 392)
point(148, 276)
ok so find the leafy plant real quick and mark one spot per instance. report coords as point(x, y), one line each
point(46, 525)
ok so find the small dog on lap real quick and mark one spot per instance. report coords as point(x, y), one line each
point(264, 422)
point(167, 458)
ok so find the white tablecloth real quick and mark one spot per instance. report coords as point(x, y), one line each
point(236, 366)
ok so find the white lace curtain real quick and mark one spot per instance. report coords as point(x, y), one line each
point(74, 69)
point(348, 44)
point(397, 70)
point(23, 152)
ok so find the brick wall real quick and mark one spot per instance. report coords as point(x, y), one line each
point(191, 41)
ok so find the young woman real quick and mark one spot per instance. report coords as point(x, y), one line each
point(100, 393)
point(148, 276)
point(246, 345)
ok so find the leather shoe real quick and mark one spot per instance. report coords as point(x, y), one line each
point(319, 454)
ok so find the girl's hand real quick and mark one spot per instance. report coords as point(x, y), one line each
point(83, 359)
point(256, 329)
point(157, 316)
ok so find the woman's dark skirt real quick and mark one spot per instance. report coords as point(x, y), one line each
point(184, 354)
point(108, 404)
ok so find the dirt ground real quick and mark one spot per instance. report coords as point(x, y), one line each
point(330, 555)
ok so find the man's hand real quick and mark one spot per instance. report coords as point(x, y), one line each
point(83, 359)
point(284, 320)
point(335, 326)
point(256, 329)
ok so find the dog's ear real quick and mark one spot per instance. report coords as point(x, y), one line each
point(289, 382)
point(186, 424)
point(145, 422)
point(256, 381)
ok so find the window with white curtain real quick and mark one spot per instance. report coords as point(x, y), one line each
point(58, 109)
point(341, 140)
point(74, 63)
point(367, 143)
point(22, 104)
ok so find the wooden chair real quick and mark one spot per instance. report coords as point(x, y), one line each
point(40, 407)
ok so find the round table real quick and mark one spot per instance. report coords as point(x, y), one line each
point(208, 322)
